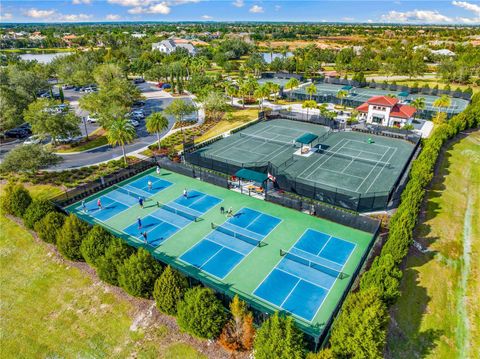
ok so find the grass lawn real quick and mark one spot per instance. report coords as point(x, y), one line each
point(96, 139)
point(438, 315)
point(52, 309)
point(38, 191)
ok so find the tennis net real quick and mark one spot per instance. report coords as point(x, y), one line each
point(264, 139)
point(355, 158)
point(243, 237)
point(192, 216)
point(312, 264)
point(130, 193)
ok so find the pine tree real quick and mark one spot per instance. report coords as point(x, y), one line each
point(278, 338)
point(351, 336)
point(201, 313)
point(169, 290)
point(95, 244)
point(70, 237)
point(115, 255)
point(138, 274)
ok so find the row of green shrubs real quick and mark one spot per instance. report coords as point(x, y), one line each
point(198, 310)
point(360, 330)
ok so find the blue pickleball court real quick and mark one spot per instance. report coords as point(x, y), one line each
point(225, 247)
point(304, 276)
point(124, 197)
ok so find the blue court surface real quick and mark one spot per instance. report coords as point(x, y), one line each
point(124, 197)
point(225, 247)
point(171, 217)
point(302, 279)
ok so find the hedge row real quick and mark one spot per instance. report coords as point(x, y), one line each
point(198, 310)
point(379, 286)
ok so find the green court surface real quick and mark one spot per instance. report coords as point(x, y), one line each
point(240, 254)
point(347, 162)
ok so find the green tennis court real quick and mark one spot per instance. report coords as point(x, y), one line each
point(236, 254)
point(350, 162)
point(364, 93)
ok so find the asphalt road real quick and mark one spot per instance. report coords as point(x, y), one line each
point(155, 101)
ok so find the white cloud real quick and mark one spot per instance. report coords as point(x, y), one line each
point(277, 7)
point(420, 16)
point(370, 21)
point(256, 9)
point(238, 3)
point(6, 16)
point(112, 17)
point(79, 2)
point(346, 18)
point(53, 15)
point(39, 14)
point(73, 17)
point(207, 17)
point(151, 6)
point(468, 6)
point(161, 8)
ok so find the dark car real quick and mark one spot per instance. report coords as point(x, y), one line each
point(19, 132)
point(139, 103)
point(139, 80)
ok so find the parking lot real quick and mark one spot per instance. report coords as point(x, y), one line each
point(155, 101)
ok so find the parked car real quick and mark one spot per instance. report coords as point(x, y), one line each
point(134, 123)
point(69, 139)
point(139, 80)
point(160, 85)
point(19, 132)
point(138, 104)
point(138, 113)
point(33, 140)
point(91, 119)
point(68, 87)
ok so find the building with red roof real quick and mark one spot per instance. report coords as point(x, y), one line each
point(386, 111)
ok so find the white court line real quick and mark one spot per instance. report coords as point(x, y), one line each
point(378, 174)
point(374, 167)
point(291, 291)
point(351, 161)
point(371, 144)
point(322, 156)
point(305, 280)
point(233, 143)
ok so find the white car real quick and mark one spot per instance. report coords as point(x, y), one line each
point(69, 139)
point(33, 140)
point(91, 119)
point(134, 123)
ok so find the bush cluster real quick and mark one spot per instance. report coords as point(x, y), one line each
point(16, 200)
point(36, 211)
point(355, 332)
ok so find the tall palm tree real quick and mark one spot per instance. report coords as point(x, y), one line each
point(442, 102)
point(231, 91)
point(291, 84)
point(261, 93)
point(341, 95)
point(121, 132)
point(275, 89)
point(309, 104)
point(156, 123)
point(418, 103)
point(311, 90)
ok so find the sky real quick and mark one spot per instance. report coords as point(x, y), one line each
point(352, 11)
